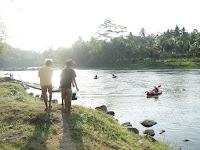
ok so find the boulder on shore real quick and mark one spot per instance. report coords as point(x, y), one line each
point(126, 124)
point(110, 113)
point(102, 108)
point(37, 95)
point(149, 132)
point(135, 130)
point(148, 123)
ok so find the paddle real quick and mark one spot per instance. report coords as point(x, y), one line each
point(158, 86)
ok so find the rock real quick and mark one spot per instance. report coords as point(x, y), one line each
point(148, 123)
point(136, 131)
point(26, 87)
point(10, 126)
point(110, 113)
point(31, 94)
point(185, 140)
point(161, 131)
point(7, 79)
point(126, 124)
point(102, 108)
point(37, 95)
point(149, 132)
point(182, 89)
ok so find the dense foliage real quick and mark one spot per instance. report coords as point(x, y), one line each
point(3, 35)
point(15, 57)
point(111, 48)
point(130, 49)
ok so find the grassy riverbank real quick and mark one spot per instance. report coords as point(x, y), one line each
point(171, 63)
point(24, 125)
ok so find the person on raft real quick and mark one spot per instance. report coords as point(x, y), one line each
point(95, 77)
point(155, 89)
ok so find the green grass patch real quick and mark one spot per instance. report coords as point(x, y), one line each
point(25, 125)
point(15, 91)
point(97, 130)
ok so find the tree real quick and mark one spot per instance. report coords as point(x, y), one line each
point(3, 46)
point(109, 29)
point(142, 32)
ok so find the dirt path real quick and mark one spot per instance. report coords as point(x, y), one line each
point(65, 141)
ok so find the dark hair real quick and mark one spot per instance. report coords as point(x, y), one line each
point(48, 62)
point(69, 63)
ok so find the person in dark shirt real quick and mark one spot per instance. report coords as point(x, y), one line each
point(155, 89)
point(68, 76)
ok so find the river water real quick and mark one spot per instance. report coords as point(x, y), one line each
point(176, 111)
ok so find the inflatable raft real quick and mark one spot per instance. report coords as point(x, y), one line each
point(153, 93)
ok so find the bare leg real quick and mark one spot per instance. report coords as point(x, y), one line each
point(62, 101)
point(69, 107)
point(45, 100)
point(50, 97)
point(66, 105)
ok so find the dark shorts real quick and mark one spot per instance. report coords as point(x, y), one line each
point(45, 88)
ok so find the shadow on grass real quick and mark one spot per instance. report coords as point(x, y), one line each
point(40, 134)
point(71, 137)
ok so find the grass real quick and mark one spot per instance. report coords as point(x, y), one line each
point(168, 63)
point(24, 125)
point(172, 63)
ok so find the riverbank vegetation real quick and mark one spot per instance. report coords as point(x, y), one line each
point(24, 125)
point(113, 47)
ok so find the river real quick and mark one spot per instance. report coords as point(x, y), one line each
point(176, 111)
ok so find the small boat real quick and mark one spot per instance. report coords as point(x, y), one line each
point(114, 76)
point(96, 77)
point(154, 93)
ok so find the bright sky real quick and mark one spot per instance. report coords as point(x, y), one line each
point(40, 24)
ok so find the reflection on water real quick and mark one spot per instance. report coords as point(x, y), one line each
point(176, 110)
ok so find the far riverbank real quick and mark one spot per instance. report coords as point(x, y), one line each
point(173, 63)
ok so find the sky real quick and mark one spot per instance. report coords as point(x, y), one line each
point(40, 24)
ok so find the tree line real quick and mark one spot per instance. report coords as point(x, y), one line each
point(110, 47)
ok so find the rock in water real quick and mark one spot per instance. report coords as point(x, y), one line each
point(149, 132)
point(185, 140)
point(161, 131)
point(148, 123)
